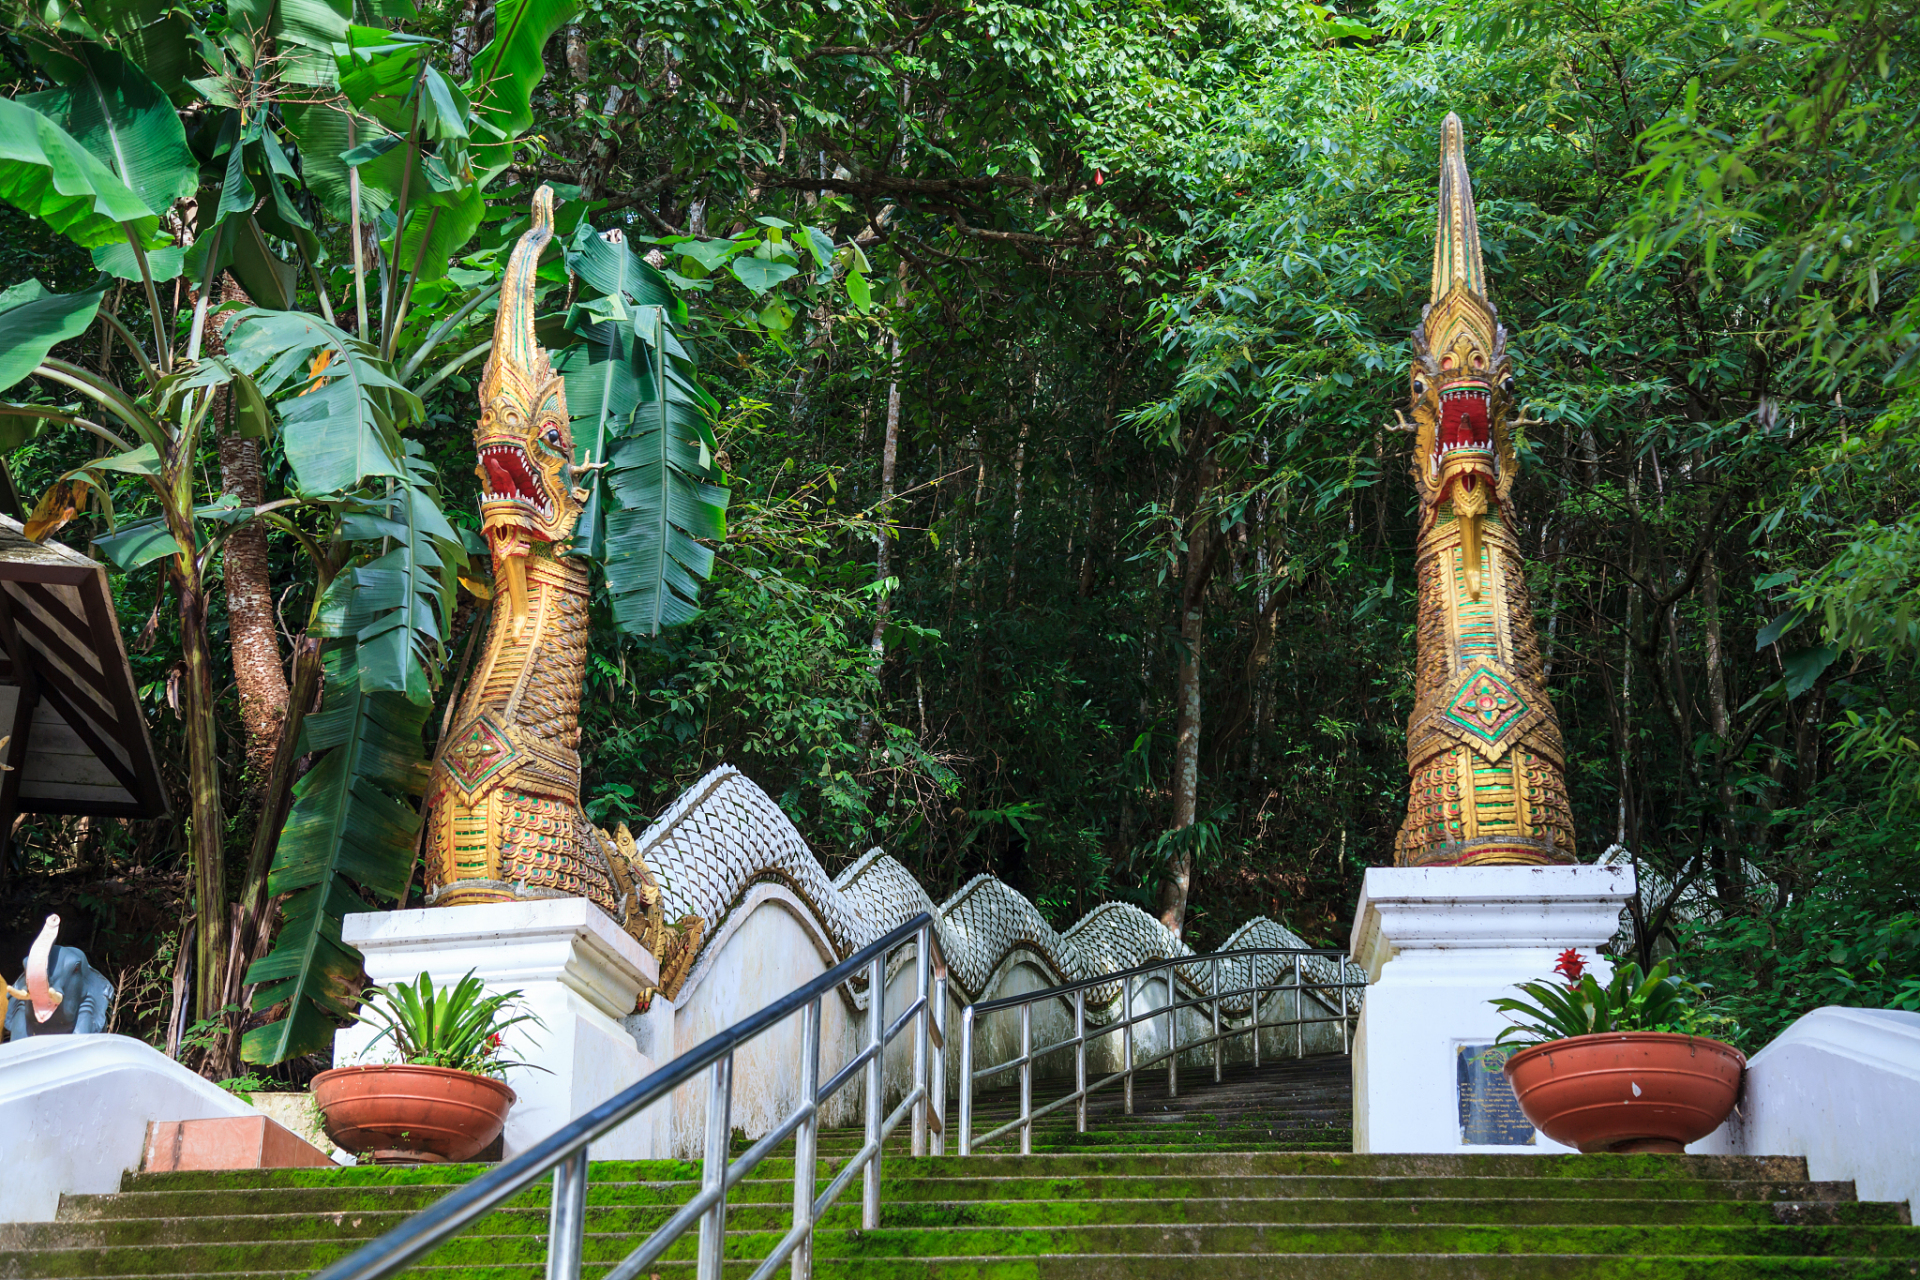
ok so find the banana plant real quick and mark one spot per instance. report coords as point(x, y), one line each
point(146, 113)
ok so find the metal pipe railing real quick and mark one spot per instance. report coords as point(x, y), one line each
point(564, 1152)
point(1167, 971)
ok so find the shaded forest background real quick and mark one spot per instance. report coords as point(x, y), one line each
point(1081, 445)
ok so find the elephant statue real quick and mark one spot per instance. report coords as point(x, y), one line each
point(64, 993)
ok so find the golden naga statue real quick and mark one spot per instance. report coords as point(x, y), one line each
point(1483, 744)
point(505, 820)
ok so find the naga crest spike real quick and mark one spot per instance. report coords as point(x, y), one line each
point(1483, 745)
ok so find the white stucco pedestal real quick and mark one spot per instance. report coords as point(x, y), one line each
point(581, 975)
point(1438, 943)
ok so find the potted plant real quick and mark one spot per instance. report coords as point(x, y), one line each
point(1620, 1067)
point(445, 1099)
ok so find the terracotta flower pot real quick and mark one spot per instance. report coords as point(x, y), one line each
point(404, 1114)
point(1627, 1090)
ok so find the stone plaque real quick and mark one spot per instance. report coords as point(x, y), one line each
point(1490, 1115)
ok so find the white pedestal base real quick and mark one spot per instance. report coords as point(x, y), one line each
point(581, 975)
point(1438, 943)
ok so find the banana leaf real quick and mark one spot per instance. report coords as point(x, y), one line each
point(302, 32)
point(398, 607)
point(506, 71)
point(638, 407)
point(46, 172)
point(123, 119)
point(353, 822)
point(33, 321)
point(341, 428)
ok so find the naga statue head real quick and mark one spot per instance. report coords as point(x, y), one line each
point(1462, 377)
point(524, 438)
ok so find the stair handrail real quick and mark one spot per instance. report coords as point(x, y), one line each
point(1076, 994)
point(565, 1150)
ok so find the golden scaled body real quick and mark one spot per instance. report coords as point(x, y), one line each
point(504, 818)
point(1484, 749)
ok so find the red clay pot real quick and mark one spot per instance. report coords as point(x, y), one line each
point(404, 1114)
point(1627, 1090)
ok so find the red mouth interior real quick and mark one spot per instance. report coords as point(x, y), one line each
point(1463, 425)
point(1463, 421)
point(510, 479)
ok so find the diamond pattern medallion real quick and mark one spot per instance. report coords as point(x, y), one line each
point(477, 753)
point(1487, 707)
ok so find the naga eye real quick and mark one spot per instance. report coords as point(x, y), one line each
point(553, 435)
point(1419, 387)
point(1507, 386)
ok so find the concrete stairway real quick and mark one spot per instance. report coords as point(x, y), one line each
point(1248, 1178)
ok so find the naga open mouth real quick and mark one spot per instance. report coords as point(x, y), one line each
point(1464, 424)
point(509, 477)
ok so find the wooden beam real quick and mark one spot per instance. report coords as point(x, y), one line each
point(65, 695)
point(16, 756)
point(133, 725)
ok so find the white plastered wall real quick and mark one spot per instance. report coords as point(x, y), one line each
point(74, 1112)
point(1842, 1088)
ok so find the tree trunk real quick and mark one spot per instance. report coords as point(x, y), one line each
point(262, 681)
point(1718, 710)
point(1019, 496)
point(466, 39)
point(1186, 745)
point(206, 832)
point(1202, 552)
point(253, 923)
point(889, 456)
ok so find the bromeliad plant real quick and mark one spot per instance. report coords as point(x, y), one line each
point(1630, 1001)
point(458, 1027)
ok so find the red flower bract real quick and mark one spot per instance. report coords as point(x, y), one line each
point(1571, 967)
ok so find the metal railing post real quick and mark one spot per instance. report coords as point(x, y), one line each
point(1216, 1019)
point(713, 1169)
point(1026, 1079)
point(1173, 1039)
point(567, 1219)
point(1127, 1040)
point(1253, 981)
point(1080, 1059)
point(876, 1090)
point(938, 1083)
point(1346, 1045)
point(806, 1140)
point(922, 1037)
point(1299, 1015)
point(966, 1081)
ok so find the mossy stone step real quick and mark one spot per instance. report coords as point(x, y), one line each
point(768, 1215)
point(1223, 1181)
point(1684, 1168)
point(1233, 1267)
point(1270, 1239)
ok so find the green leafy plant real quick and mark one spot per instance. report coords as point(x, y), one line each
point(244, 1087)
point(1631, 1001)
point(460, 1027)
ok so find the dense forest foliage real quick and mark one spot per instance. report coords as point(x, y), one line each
point(1054, 352)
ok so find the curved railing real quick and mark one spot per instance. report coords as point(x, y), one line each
point(565, 1151)
point(1220, 1001)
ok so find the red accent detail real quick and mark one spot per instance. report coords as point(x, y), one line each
point(1571, 967)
